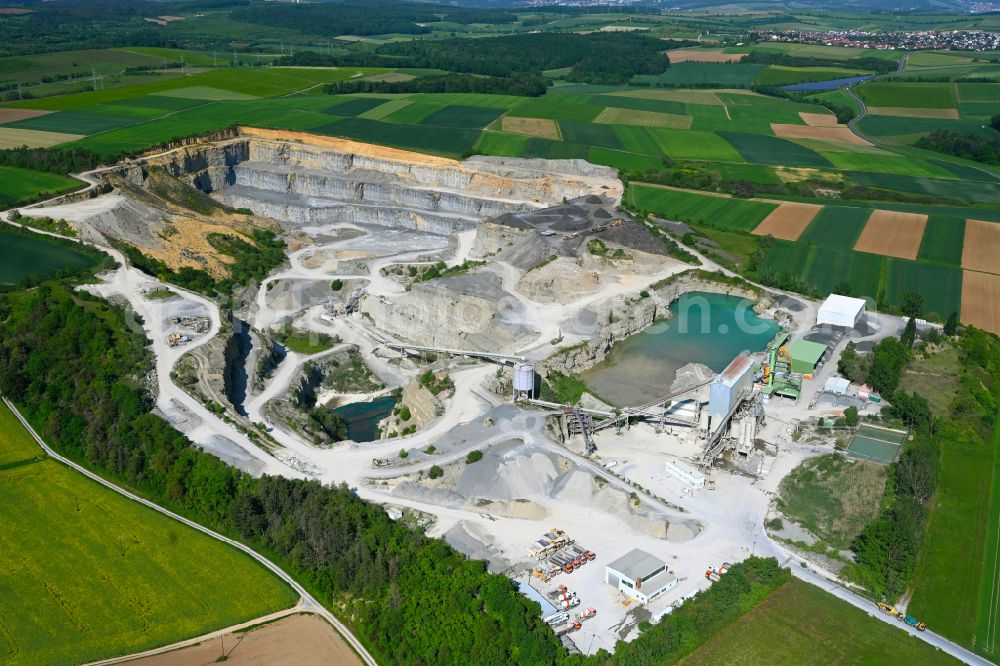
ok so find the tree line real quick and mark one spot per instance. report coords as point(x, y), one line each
point(525, 85)
point(968, 146)
point(612, 58)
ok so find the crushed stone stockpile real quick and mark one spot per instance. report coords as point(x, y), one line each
point(518, 480)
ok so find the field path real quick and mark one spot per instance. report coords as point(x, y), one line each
point(307, 603)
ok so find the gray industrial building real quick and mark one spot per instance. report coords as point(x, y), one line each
point(727, 388)
point(639, 575)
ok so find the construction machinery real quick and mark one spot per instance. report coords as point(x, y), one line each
point(887, 609)
point(914, 622)
point(557, 618)
point(568, 603)
point(588, 554)
point(559, 590)
point(587, 614)
point(568, 629)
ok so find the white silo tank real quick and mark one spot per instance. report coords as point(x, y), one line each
point(524, 378)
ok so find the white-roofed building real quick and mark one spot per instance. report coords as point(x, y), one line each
point(840, 310)
point(837, 385)
point(639, 575)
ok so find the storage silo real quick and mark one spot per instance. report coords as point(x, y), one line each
point(524, 380)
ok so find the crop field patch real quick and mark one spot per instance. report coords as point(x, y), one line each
point(470, 99)
point(589, 134)
point(979, 92)
point(892, 234)
point(614, 116)
point(206, 93)
point(411, 114)
point(965, 191)
point(638, 104)
point(18, 446)
point(913, 112)
point(555, 150)
point(694, 145)
point(501, 144)
point(819, 119)
point(941, 286)
point(160, 103)
point(469, 117)
point(788, 220)
point(703, 55)
point(702, 73)
point(836, 134)
point(17, 185)
point(89, 574)
point(981, 251)
point(385, 109)
point(445, 141)
point(772, 150)
point(973, 110)
point(705, 97)
point(550, 107)
point(619, 159)
point(714, 211)
point(885, 164)
point(779, 75)
point(32, 255)
point(74, 122)
point(910, 95)
point(636, 140)
point(353, 106)
point(980, 295)
point(545, 128)
point(13, 115)
point(943, 240)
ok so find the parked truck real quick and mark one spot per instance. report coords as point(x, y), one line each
point(556, 592)
point(914, 622)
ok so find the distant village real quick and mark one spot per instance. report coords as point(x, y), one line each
point(957, 40)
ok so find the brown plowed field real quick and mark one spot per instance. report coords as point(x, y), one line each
point(892, 234)
point(540, 127)
point(819, 119)
point(703, 55)
point(303, 640)
point(788, 220)
point(981, 251)
point(980, 295)
point(839, 134)
point(11, 115)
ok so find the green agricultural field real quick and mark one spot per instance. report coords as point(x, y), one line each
point(963, 191)
point(446, 141)
point(885, 164)
point(17, 445)
point(501, 144)
point(694, 145)
point(412, 113)
point(913, 95)
point(33, 255)
point(803, 624)
point(908, 130)
point(74, 122)
point(553, 108)
point(955, 584)
point(943, 239)
point(639, 104)
point(979, 92)
point(629, 162)
point(823, 268)
point(777, 75)
point(696, 74)
point(455, 115)
point(714, 211)
point(772, 150)
point(590, 134)
point(836, 227)
point(17, 185)
point(385, 109)
point(353, 106)
point(89, 574)
point(941, 286)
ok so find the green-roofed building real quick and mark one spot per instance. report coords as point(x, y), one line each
point(806, 356)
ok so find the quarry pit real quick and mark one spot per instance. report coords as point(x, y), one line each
point(416, 282)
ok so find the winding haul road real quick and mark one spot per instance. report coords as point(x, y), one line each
point(307, 603)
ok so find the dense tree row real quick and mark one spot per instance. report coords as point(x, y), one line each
point(867, 63)
point(971, 147)
point(613, 57)
point(526, 85)
point(887, 549)
point(51, 160)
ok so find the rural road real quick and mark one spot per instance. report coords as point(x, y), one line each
point(823, 580)
point(307, 603)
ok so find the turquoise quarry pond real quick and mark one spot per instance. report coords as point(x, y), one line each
point(705, 328)
point(363, 417)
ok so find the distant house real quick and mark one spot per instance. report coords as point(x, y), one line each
point(639, 575)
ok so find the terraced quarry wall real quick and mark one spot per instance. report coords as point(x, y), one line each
point(302, 179)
